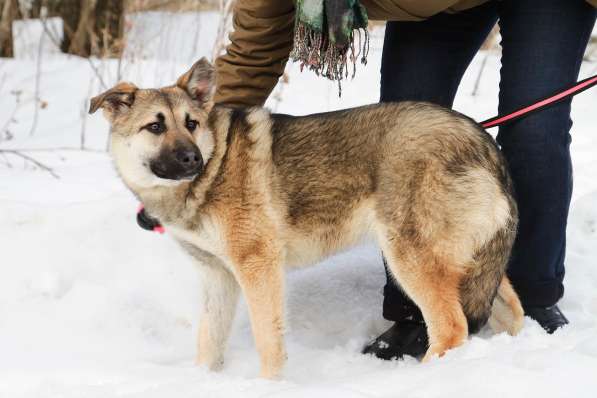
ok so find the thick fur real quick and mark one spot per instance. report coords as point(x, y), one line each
point(428, 183)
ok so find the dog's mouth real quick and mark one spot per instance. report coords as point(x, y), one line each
point(175, 173)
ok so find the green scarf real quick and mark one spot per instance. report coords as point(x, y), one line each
point(324, 35)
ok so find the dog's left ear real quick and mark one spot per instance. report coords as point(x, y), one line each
point(198, 82)
point(114, 100)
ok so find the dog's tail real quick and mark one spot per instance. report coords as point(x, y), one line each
point(507, 314)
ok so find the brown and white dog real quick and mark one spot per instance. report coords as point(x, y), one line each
point(246, 192)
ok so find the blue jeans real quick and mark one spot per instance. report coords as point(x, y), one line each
point(543, 42)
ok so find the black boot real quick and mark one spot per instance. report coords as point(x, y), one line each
point(404, 338)
point(550, 318)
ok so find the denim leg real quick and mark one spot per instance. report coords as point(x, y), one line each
point(543, 43)
point(425, 61)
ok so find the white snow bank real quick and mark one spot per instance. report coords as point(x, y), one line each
point(93, 306)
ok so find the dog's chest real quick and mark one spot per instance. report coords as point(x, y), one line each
point(208, 238)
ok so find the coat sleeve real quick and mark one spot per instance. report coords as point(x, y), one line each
point(255, 59)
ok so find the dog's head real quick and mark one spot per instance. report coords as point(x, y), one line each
point(160, 136)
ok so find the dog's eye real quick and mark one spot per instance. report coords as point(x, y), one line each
point(191, 125)
point(155, 128)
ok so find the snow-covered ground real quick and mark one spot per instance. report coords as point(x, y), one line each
point(93, 306)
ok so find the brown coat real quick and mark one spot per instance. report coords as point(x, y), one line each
point(263, 34)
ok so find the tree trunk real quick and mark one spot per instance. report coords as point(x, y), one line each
point(35, 9)
point(36, 6)
point(109, 27)
point(10, 10)
point(92, 27)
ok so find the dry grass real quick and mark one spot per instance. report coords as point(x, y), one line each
point(171, 5)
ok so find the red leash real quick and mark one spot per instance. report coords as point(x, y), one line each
point(151, 224)
point(525, 111)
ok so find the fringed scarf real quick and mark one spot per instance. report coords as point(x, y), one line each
point(324, 37)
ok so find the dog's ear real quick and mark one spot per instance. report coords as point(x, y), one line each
point(198, 82)
point(116, 99)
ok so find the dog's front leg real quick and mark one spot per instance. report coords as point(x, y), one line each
point(220, 295)
point(262, 280)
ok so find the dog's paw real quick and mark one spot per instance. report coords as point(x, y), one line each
point(271, 374)
point(215, 364)
point(271, 368)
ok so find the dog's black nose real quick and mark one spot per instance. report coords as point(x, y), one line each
point(189, 159)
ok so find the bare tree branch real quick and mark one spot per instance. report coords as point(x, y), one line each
point(32, 160)
point(44, 23)
point(225, 8)
point(98, 74)
point(478, 79)
point(54, 149)
point(36, 98)
point(18, 104)
point(5, 161)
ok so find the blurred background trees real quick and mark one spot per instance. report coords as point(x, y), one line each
point(90, 27)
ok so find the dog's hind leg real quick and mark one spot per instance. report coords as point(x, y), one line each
point(220, 295)
point(433, 285)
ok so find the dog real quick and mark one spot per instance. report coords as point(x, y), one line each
point(246, 192)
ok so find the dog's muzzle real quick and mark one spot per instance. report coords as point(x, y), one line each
point(182, 163)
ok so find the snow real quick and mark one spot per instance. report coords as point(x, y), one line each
point(93, 306)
